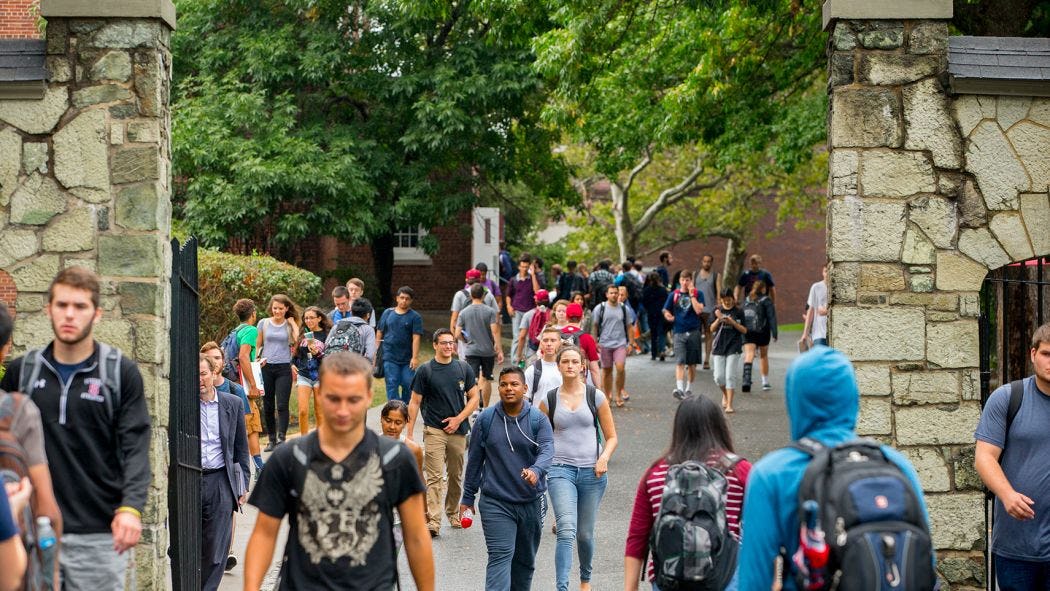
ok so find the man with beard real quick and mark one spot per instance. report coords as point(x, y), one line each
point(96, 434)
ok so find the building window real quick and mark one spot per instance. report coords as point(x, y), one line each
point(407, 249)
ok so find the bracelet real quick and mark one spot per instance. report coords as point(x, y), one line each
point(127, 509)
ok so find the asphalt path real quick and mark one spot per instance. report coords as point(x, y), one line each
point(759, 426)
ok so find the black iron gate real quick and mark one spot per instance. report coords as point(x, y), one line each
point(184, 470)
point(1015, 300)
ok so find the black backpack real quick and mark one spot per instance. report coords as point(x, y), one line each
point(599, 317)
point(692, 546)
point(634, 289)
point(754, 317)
point(345, 337)
point(231, 351)
point(871, 516)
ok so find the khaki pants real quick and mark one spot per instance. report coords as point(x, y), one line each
point(443, 453)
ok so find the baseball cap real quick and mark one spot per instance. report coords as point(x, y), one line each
point(474, 274)
point(574, 311)
point(542, 296)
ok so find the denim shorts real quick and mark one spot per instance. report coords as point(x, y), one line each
point(305, 381)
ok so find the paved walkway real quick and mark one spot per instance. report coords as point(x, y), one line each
point(759, 426)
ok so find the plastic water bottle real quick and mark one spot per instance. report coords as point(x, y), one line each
point(811, 559)
point(467, 519)
point(47, 541)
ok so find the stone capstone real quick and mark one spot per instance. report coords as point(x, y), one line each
point(81, 152)
point(36, 116)
point(1032, 144)
point(865, 118)
point(138, 207)
point(918, 250)
point(886, 173)
point(952, 344)
point(1011, 109)
point(129, 256)
point(103, 93)
point(16, 245)
point(891, 69)
point(931, 468)
point(956, 520)
point(136, 164)
point(928, 124)
point(1010, 231)
point(873, 417)
point(866, 230)
point(997, 169)
point(114, 65)
point(73, 232)
point(925, 387)
point(1035, 208)
point(937, 425)
point(936, 217)
point(11, 148)
point(981, 246)
point(880, 334)
point(873, 379)
point(34, 157)
point(928, 37)
point(956, 272)
point(38, 200)
point(35, 276)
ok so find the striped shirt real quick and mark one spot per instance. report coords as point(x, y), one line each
point(651, 490)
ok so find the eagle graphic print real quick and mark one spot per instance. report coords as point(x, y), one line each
point(339, 518)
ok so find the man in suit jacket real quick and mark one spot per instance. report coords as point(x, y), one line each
point(224, 469)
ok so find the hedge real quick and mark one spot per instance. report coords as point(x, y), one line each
point(225, 278)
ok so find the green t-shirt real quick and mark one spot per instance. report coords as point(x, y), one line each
point(248, 336)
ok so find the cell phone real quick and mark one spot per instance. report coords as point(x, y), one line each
point(310, 335)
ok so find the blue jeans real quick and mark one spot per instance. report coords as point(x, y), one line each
point(1021, 575)
point(575, 494)
point(823, 342)
point(512, 536)
point(398, 381)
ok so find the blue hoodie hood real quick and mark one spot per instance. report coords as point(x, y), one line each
point(821, 396)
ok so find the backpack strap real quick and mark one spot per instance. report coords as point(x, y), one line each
point(30, 371)
point(598, 317)
point(727, 462)
point(537, 372)
point(808, 446)
point(591, 396)
point(552, 404)
point(109, 374)
point(1016, 397)
point(484, 423)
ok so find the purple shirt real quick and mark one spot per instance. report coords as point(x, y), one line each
point(522, 297)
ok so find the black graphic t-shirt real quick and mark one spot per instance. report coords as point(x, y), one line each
point(444, 388)
point(340, 521)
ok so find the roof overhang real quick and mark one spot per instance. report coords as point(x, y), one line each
point(1013, 66)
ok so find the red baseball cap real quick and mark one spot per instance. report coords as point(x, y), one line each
point(574, 311)
point(474, 274)
point(543, 296)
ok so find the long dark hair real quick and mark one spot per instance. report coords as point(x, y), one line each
point(699, 428)
point(653, 279)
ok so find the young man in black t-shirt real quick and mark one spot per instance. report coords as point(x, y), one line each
point(340, 511)
point(446, 390)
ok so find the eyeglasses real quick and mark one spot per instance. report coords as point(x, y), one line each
point(446, 343)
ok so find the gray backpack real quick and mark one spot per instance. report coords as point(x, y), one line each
point(345, 337)
point(108, 373)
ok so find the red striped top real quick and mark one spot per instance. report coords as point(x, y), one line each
point(647, 505)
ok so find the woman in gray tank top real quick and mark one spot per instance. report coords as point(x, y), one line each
point(277, 335)
point(577, 479)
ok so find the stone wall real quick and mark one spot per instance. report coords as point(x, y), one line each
point(85, 180)
point(927, 193)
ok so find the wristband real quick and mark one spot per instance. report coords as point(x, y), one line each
point(127, 509)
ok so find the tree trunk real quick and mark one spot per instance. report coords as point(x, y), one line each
point(383, 260)
point(735, 251)
point(625, 238)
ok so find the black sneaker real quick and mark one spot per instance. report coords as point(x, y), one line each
point(231, 562)
point(678, 394)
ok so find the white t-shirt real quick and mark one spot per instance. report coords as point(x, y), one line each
point(550, 378)
point(818, 298)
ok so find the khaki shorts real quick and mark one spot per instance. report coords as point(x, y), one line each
point(253, 422)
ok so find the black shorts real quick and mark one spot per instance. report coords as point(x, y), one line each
point(757, 338)
point(481, 366)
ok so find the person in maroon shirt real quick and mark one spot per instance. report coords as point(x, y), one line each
point(521, 295)
point(700, 433)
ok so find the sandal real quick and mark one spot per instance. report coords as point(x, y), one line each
point(619, 403)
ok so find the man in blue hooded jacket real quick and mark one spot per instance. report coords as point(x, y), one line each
point(822, 401)
point(511, 450)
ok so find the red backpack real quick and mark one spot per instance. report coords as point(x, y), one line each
point(536, 326)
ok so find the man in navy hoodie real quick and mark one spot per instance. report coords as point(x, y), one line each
point(822, 402)
point(511, 449)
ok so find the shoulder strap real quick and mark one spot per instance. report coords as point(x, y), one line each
point(1016, 397)
point(552, 403)
point(592, 403)
point(388, 450)
point(109, 374)
point(598, 316)
point(728, 462)
point(810, 447)
point(537, 371)
point(484, 423)
point(30, 371)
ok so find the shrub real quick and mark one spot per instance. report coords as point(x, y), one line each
point(225, 278)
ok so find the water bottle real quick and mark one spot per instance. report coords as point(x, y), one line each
point(46, 539)
point(467, 519)
point(811, 559)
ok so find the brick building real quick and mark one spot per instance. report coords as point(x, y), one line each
point(18, 20)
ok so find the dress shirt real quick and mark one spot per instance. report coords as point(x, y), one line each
point(211, 446)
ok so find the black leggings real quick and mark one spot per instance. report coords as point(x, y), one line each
point(277, 388)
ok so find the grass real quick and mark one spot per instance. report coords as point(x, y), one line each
point(797, 327)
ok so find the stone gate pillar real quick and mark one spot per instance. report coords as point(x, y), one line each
point(85, 179)
point(904, 300)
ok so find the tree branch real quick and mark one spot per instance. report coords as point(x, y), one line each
point(672, 195)
point(646, 161)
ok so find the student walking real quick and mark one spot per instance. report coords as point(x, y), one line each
point(699, 434)
point(683, 309)
point(278, 335)
point(521, 297)
point(816, 324)
point(654, 296)
point(709, 283)
point(511, 449)
point(393, 418)
point(728, 347)
point(340, 487)
point(446, 391)
point(613, 329)
point(478, 330)
point(1010, 456)
point(247, 335)
point(542, 375)
point(581, 417)
point(760, 317)
point(397, 337)
point(307, 362)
